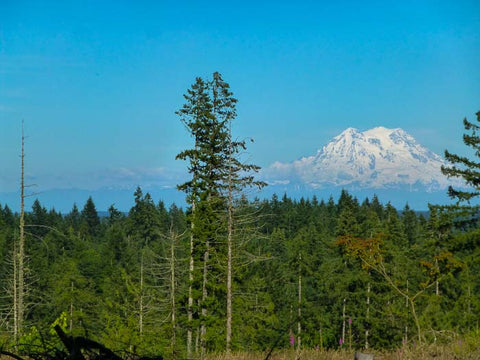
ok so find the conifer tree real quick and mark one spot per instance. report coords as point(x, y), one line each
point(463, 215)
point(195, 114)
point(144, 221)
point(73, 218)
point(90, 218)
point(464, 168)
point(217, 174)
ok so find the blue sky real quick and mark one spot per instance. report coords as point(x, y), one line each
point(98, 82)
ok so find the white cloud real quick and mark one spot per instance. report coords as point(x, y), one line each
point(112, 178)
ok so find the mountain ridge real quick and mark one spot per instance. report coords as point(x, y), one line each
point(378, 158)
point(388, 163)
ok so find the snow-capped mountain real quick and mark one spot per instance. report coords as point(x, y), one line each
point(378, 158)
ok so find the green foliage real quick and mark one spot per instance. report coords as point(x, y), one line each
point(93, 283)
point(35, 341)
point(90, 222)
point(464, 168)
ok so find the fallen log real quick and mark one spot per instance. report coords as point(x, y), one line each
point(75, 345)
point(12, 355)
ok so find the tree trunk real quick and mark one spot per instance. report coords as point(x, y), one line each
point(140, 318)
point(417, 322)
point(21, 250)
point(71, 308)
point(172, 292)
point(229, 247)
point(368, 316)
point(229, 285)
point(299, 307)
point(197, 340)
point(15, 296)
point(343, 323)
point(190, 294)
point(203, 328)
point(406, 322)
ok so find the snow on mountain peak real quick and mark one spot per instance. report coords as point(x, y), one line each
point(351, 131)
point(376, 158)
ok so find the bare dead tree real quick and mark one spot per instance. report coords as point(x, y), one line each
point(299, 308)
point(19, 270)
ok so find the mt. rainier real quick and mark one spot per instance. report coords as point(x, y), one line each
point(378, 158)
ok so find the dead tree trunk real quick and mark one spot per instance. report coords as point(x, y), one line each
point(15, 295)
point(140, 300)
point(190, 290)
point(19, 262)
point(172, 291)
point(229, 246)
point(299, 306)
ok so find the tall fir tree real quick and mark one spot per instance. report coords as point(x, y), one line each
point(468, 171)
point(464, 216)
point(217, 175)
point(90, 218)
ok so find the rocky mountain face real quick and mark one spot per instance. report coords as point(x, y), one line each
point(378, 158)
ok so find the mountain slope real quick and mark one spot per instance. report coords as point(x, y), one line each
point(378, 158)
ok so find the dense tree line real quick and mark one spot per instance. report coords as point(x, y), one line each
point(111, 278)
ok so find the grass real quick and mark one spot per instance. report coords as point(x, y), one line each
point(468, 348)
point(424, 353)
point(455, 351)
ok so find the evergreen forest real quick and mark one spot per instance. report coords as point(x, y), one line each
point(120, 278)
